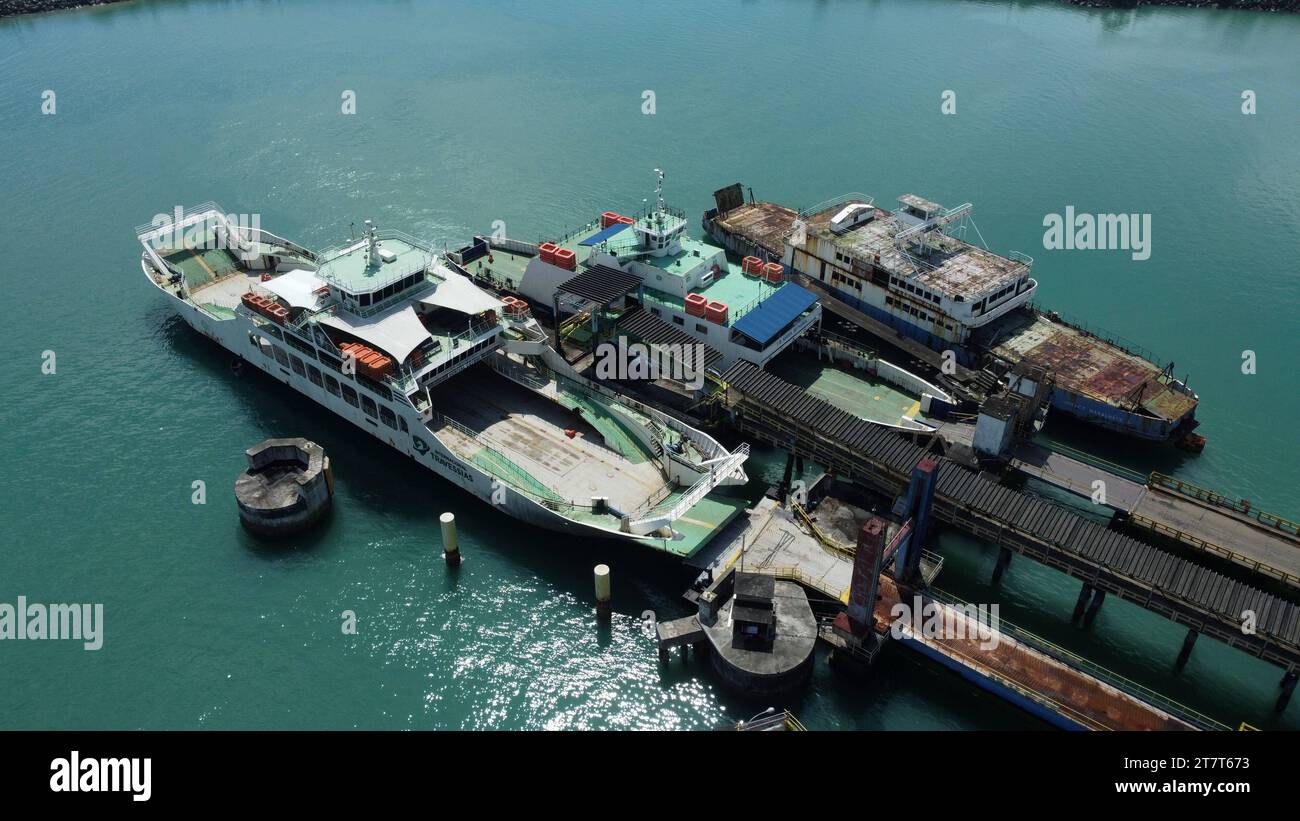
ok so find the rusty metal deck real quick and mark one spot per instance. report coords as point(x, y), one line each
point(1083, 364)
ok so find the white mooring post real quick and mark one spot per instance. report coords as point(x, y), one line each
point(450, 548)
point(603, 596)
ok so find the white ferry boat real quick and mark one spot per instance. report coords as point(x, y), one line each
point(644, 272)
point(385, 335)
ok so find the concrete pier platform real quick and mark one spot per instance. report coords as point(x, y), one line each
point(1063, 689)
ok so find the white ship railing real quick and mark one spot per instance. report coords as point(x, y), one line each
point(718, 470)
point(186, 215)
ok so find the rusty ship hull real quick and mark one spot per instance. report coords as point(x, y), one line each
point(1096, 380)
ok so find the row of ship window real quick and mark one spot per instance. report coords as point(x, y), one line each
point(324, 380)
point(910, 288)
point(376, 297)
point(915, 311)
point(677, 320)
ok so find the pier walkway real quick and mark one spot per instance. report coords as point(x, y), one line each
point(1194, 517)
point(1104, 560)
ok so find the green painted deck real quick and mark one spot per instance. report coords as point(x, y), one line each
point(702, 522)
point(852, 391)
point(352, 270)
point(733, 289)
point(505, 270)
point(692, 254)
point(603, 419)
point(201, 266)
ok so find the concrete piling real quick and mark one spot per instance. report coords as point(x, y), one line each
point(1288, 687)
point(1084, 595)
point(1188, 643)
point(1004, 559)
point(604, 598)
point(1094, 607)
point(450, 547)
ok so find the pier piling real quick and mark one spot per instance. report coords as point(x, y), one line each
point(1094, 607)
point(1084, 595)
point(450, 547)
point(1186, 652)
point(1004, 559)
point(603, 596)
point(1288, 687)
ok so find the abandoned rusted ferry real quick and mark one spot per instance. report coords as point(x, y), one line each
point(908, 271)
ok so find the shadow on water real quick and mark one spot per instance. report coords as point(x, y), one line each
point(1140, 455)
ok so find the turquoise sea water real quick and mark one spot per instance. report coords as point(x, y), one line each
point(531, 114)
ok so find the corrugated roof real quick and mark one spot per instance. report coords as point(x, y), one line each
point(601, 283)
point(652, 330)
point(774, 313)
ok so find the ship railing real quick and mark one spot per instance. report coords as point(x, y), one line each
point(1021, 257)
point(186, 214)
point(1211, 497)
point(170, 232)
point(407, 379)
point(843, 199)
point(517, 372)
point(705, 444)
point(1060, 654)
point(268, 238)
point(723, 468)
point(503, 468)
point(391, 273)
point(514, 246)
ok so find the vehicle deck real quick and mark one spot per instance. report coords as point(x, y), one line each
point(201, 266)
point(226, 291)
point(853, 391)
point(529, 431)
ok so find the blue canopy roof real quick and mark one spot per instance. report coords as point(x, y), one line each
point(775, 313)
point(606, 234)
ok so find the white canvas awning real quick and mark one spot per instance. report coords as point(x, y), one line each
point(459, 294)
point(295, 287)
point(396, 332)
